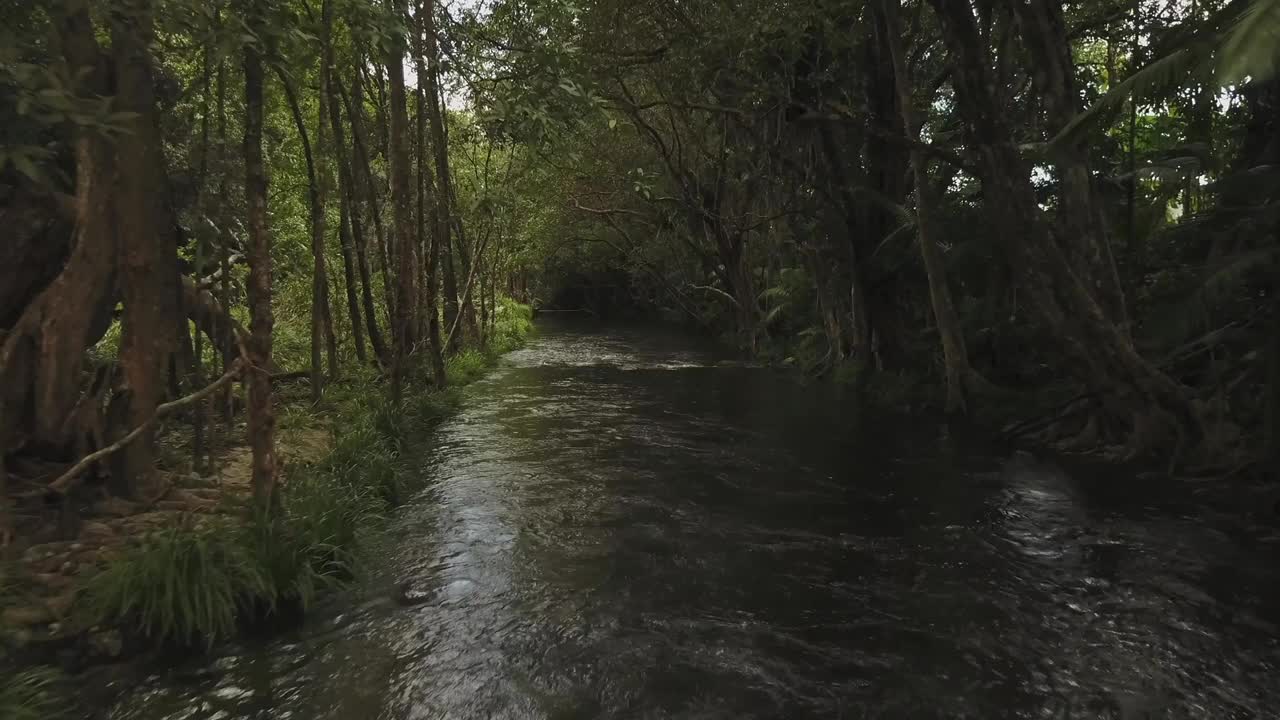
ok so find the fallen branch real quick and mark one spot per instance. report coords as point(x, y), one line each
point(64, 481)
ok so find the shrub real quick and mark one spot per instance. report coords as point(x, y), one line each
point(513, 323)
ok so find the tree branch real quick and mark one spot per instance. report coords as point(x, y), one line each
point(65, 481)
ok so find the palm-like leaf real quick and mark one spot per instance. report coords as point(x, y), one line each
point(1252, 48)
point(1157, 78)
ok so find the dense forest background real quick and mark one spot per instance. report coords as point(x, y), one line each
point(1057, 216)
point(1025, 200)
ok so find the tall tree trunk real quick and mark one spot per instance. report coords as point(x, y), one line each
point(262, 421)
point(427, 199)
point(323, 178)
point(860, 310)
point(339, 153)
point(1083, 232)
point(355, 107)
point(314, 195)
point(226, 338)
point(401, 202)
point(957, 370)
point(148, 259)
point(1096, 350)
point(346, 219)
point(357, 232)
point(199, 415)
point(440, 144)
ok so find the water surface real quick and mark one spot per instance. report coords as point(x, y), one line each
point(623, 524)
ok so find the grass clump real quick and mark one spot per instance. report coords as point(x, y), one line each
point(199, 583)
point(466, 367)
point(31, 695)
point(435, 406)
point(181, 585)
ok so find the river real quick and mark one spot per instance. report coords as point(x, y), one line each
point(626, 524)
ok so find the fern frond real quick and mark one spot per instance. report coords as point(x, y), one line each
point(1157, 78)
point(1252, 48)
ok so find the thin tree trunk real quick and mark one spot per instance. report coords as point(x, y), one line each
point(317, 240)
point(401, 199)
point(360, 162)
point(198, 444)
point(350, 281)
point(427, 196)
point(1084, 235)
point(355, 108)
point(224, 225)
point(323, 178)
point(262, 420)
point(440, 143)
point(955, 355)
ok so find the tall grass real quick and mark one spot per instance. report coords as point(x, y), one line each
point(182, 585)
point(31, 695)
point(467, 366)
point(198, 583)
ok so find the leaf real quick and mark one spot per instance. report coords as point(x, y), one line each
point(23, 164)
point(613, 123)
point(1251, 48)
point(1158, 77)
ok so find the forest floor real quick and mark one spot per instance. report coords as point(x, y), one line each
point(41, 589)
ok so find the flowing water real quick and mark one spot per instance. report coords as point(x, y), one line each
point(621, 524)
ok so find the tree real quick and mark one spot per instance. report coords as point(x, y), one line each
point(402, 195)
point(262, 421)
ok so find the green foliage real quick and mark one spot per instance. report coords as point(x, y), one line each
point(466, 367)
point(1250, 49)
point(434, 406)
point(513, 323)
point(197, 583)
point(31, 695)
point(184, 585)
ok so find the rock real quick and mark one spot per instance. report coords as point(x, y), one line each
point(115, 507)
point(26, 616)
point(18, 639)
point(106, 643)
point(36, 553)
point(50, 564)
point(109, 555)
point(54, 581)
point(96, 532)
point(60, 605)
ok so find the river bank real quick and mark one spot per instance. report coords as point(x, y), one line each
point(194, 567)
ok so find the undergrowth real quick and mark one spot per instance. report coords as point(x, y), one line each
point(31, 695)
point(199, 582)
